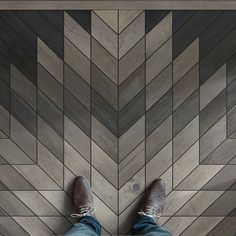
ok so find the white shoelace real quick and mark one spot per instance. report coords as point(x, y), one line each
point(83, 211)
point(151, 212)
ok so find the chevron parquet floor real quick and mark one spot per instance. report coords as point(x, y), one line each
point(121, 97)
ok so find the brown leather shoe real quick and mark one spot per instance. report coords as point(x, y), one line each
point(153, 202)
point(82, 198)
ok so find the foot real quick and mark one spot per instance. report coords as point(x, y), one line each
point(153, 202)
point(82, 198)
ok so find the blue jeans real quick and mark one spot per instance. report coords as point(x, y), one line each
point(89, 226)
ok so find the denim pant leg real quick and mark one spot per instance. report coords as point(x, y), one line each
point(87, 226)
point(148, 227)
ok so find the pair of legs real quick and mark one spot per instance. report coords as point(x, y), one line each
point(150, 211)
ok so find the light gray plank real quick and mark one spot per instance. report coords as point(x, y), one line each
point(60, 200)
point(50, 164)
point(12, 153)
point(12, 205)
point(50, 138)
point(104, 190)
point(132, 189)
point(110, 17)
point(126, 17)
point(33, 225)
point(157, 5)
point(131, 164)
point(159, 164)
point(12, 179)
point(34, 175)
point(131, 35)
point(77, 138)
point(75, 162)
point(36, 202)
point(9, 227)
point(104, 35)
point(131, 138)
point(185, 164)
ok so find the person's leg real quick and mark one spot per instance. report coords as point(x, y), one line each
point(83, 210)
point(147, 226)
point(87, 225)
point(151, 209)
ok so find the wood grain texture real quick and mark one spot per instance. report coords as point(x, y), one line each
point(121, 97)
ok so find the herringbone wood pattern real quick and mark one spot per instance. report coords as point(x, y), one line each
point(121, 97)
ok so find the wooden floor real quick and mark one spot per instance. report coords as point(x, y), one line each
point(121, 97)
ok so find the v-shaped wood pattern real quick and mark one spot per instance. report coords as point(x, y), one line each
point(121, 97)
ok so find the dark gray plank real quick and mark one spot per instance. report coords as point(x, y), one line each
point(55, 18)
point(4, 94)
point(159, 112)
point(212, 112)
point(18, 56)
point(217, 31)
point(4, 68)
point(50, 112)
point(23, 113)
point(191, 30)
point(47, 84)
point(131, 112)
point(24, 139)
point(23, 87)
point(44, 29)
point(231, 69)
point(231, 123)
point(153, 17)
point(77, 86)
point(105, 113)
point(77, 112)
point(105, 87)
point(231, 95)
point(180, 18)
point(186, 112)
point(14, 26)
point(218, 56)
point(83, 17)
